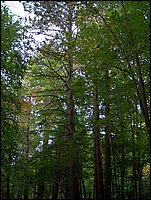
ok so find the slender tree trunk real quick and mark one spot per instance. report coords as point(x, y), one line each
point(40, 189)
point(107, 162)
point(80, 188)
point(143, 105)
point(83, 188)
point(34, 194)
point(123, 172)
point(134, 165)
point(56, 177)
point(19, 195)
point(27, 147)
point(82, 185)
point(98, 170)
point(140, 181)
point(143, 99)
point(55, 187)
point(140, 88)
point(139, 164)
point(118, 177)
point(108, 171)
point(73, 169)
point(115, 171)
point(67, 185)
point(80, 182)
point(8, 187)
point(26, 163)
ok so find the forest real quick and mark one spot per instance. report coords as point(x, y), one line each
point(75, 106)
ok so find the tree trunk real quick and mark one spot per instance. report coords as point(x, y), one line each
point(26, 163)
point(115, 171)
point(19, 195)
point(143, 101)
point(123, 172)
point(83, 188)
point(98, 170)
point(108, 172)
point(82, 185)
point(140, 89)
point(140, 181)
point(134, 181)
point(56, 177)
point(67, 185)
point(8, 187)
point(73, 169)
point(55, 188)
point(27, 147)
point(34, 192)
point(40, 190)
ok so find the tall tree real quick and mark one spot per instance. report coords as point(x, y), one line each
point(65, 24)
point(12, 72)
point(89, 81)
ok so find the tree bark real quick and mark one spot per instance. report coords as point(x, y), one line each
point(40, 190)
point(56, 177)
point(134, 181)
point(8, 187)
point(67, 185)
point(122, 171)
point(143, 101)
point(26, 163)
point(98, 170)
point(115, 170)
point(73, 169)
point(140, 181)
point(108, 172)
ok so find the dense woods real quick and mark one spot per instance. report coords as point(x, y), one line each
point(75, 107)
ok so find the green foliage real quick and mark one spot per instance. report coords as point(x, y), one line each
point(108, 38)
point(12, 73)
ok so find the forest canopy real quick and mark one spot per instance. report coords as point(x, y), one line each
point(75, 106)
